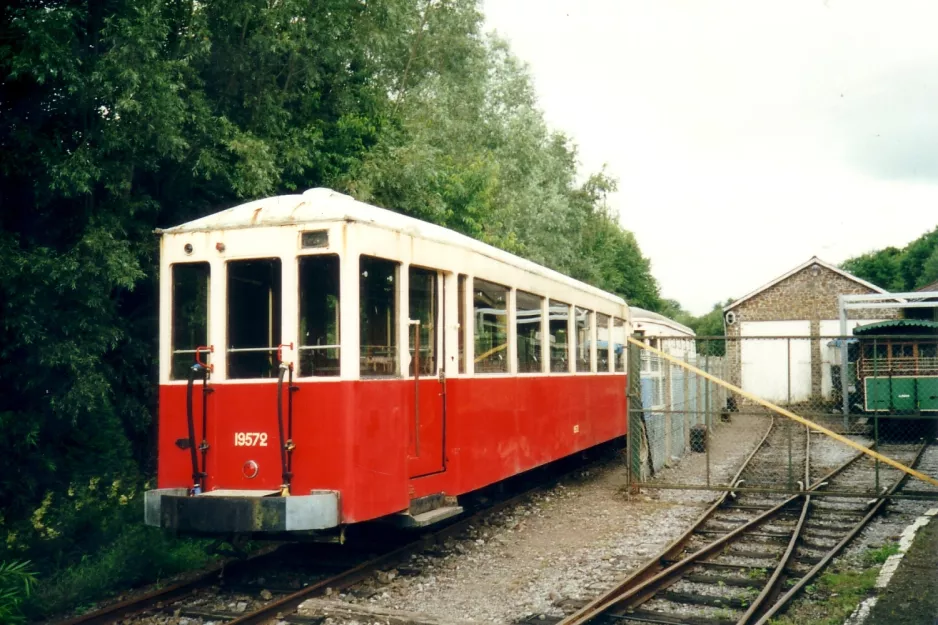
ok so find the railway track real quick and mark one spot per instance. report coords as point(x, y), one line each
point(749, 555)
point(264, 588)
point(742, 562)
point(268, 586)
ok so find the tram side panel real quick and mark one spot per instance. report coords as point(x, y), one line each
point(499, 427)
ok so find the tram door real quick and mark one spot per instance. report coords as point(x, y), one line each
point(427, 413)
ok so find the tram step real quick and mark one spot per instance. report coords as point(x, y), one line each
point(424, 519)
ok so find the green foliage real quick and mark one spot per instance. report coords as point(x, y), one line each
point(836, 593)
point(121, 116)
point(912, 267)
point(672, 309)
point(881, 268)
point(711, 324)
point(708, 325)
point(878, 556)
point(118, 117)
point(135, 554)
point(16, 583)
point(834, 597)
point(757, 574)
point(472, 152)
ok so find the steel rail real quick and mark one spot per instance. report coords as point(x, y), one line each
point(274, 611)
point(773, 585)
point(637, 588)
point(785, 599)
point(141, 603)
point(653, 566)
point(268, 613)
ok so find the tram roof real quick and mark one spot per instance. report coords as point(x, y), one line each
point(325, 205)
point(892, 324)
point(640, 314)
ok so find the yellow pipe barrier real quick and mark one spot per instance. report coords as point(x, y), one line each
point(790, 415)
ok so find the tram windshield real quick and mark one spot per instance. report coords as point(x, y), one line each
point(319, 316)
point(253, 318)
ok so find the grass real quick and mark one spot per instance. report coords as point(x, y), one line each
point(138, 555)
point(879, 556)
point(17, 580)
point(836, 594)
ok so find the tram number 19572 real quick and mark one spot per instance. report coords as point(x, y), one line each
point(250, 439)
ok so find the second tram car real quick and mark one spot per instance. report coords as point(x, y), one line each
point(894, 365)
point(324, 362)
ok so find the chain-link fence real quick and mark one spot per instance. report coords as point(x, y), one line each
point(878, 390)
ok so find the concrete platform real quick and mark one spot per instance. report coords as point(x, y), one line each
point(908, 582)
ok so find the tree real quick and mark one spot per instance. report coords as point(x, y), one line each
point(906, 269)
point(881, 268)
point(929, 273)
point(117, 117)
point(473, 153)
point(120, 116)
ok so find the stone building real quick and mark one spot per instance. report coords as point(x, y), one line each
point(790, 363)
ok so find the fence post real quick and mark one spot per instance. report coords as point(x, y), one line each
point(688, 407)
point(633, 412)
point(701, 406)
point(844, 392)
point(875, 407)
point(707, 392)
point(668, 407)
point(791, 469)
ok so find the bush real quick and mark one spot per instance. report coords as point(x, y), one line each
point(86, 544)
point(137, 555)
point(16, 583)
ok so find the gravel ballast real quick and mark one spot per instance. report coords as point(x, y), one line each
point(563, 546)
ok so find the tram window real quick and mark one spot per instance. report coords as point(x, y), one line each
point(528, 328)
point(558, 317)
point(377, 287)
point(190, 316)
point(490, 305)
point(423, 287)
point(602, 343)
point(319, 316)
point(879, 351)
point(928, 350)
point(461, 320)
point(253, 318)
point(584, 339)
point(618, 344)
point(902, 350)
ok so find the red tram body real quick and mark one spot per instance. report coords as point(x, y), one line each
point(311, 315)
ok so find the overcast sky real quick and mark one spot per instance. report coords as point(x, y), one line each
point(746, 136)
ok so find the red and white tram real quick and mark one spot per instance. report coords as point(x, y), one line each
point(324, 362)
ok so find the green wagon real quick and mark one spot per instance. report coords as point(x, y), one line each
point(897, 366)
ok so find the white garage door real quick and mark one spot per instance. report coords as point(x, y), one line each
point(765, 363)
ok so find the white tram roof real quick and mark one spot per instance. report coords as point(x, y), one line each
point(326, 205)
point(640, 314)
